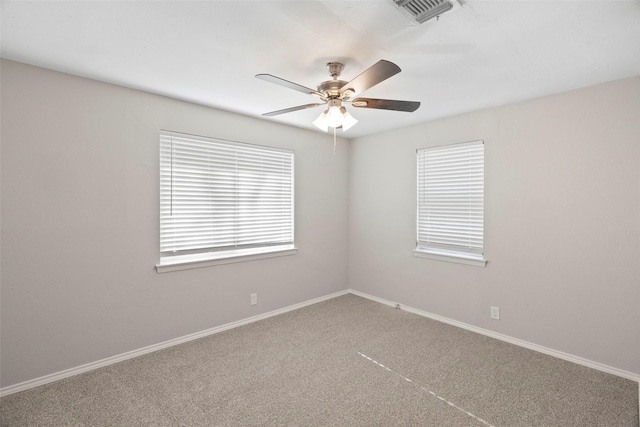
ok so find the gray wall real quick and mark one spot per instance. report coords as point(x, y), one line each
point(80, 224)
point(562, 222)
point(79, 212)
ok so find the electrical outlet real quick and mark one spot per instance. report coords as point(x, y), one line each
point(495, 313)
point(254, 299)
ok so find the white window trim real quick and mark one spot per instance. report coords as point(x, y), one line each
point(210, 259)
point(467, 259)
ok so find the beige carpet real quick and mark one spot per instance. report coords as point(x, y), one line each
point(344, 362)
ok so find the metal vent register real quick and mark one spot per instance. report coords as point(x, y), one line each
point(423, 10)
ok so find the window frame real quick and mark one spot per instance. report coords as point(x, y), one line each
point(238, 161)
point(443, 248)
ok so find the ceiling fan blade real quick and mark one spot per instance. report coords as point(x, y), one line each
point(386, 104)
point(290, 85)
point(373, 75)
point(289, 110)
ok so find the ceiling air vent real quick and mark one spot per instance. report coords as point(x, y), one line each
point(423, 10)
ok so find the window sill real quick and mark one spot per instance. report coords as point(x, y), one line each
point(477, 261)
point(210, 259)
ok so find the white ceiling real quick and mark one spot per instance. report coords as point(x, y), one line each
point(481, 54)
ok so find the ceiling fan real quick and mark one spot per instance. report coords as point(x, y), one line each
point(335, 92)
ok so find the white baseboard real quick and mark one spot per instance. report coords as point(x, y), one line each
point(531, 346)
point(155, 347)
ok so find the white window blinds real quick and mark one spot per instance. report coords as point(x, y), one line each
point(219, 195)
point(451, 200)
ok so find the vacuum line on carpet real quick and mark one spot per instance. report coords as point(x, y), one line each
point(428, 391)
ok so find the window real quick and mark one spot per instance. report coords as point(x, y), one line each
point(450, 217)
point(223, 201)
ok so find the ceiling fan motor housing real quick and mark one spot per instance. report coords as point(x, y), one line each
point(331, 87)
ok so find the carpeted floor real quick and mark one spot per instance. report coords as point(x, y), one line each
point(343, 362)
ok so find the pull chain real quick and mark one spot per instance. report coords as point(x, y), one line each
point(334, 141)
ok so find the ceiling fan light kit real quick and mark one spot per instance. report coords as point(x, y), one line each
point(336, 116)
point(334, 92)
